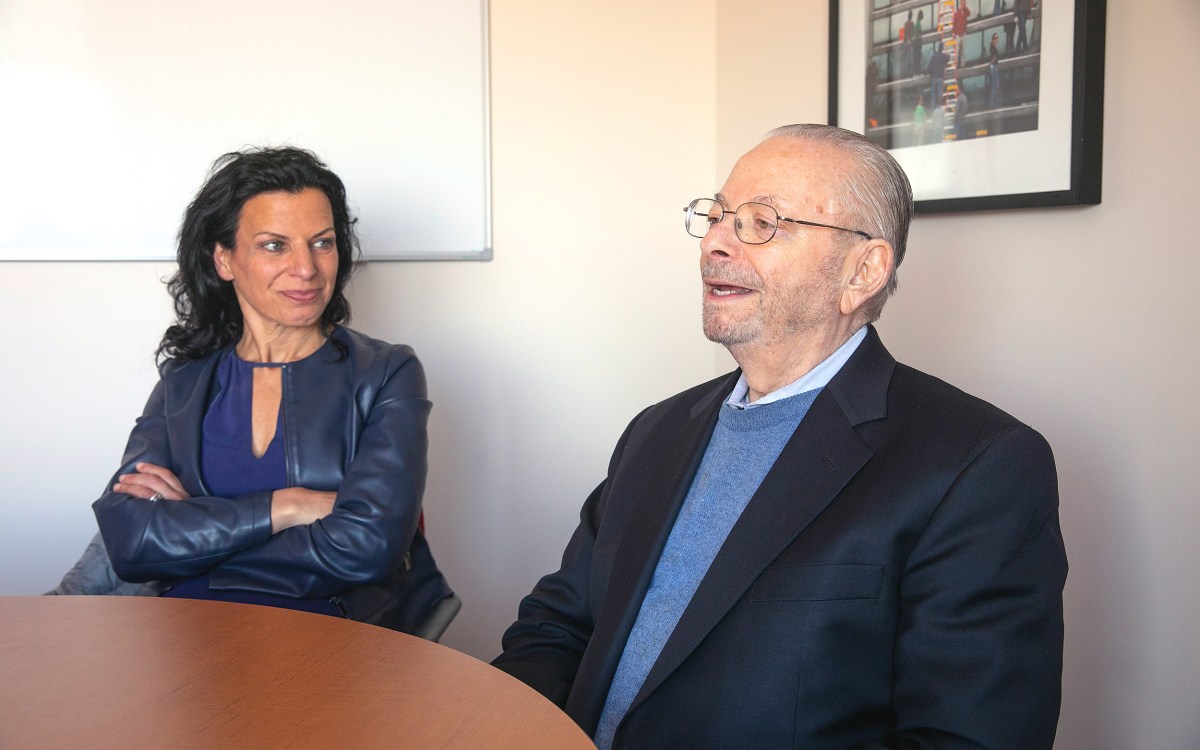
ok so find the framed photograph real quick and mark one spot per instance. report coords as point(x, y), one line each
point(985, 103)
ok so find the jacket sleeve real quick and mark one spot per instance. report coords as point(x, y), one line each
point(364, 539)
point(173, 539)
point(546, 644)
point(979, 647)
point(544, 647)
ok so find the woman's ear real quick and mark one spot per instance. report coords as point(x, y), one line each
point(221, 256)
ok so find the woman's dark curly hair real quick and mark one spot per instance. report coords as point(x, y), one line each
point(206, 308)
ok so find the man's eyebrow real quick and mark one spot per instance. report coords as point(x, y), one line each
point(770, 200)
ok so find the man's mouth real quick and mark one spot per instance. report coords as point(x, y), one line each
point(728, 290)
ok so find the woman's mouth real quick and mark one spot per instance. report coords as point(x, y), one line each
point(303, 296)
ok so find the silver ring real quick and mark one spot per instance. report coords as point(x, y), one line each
point(156, 497)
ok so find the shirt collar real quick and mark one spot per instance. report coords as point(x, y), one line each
point(817, 377)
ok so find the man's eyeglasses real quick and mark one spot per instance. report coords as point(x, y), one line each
point(754, 223)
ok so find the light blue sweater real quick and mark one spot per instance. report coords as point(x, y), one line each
point(744, 446)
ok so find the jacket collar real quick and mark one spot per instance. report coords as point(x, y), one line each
point(189, 392)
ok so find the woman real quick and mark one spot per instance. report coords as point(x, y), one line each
point(281, 458)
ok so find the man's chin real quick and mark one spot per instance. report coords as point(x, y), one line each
point(729, 334)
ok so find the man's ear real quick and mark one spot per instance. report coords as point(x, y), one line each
point(869, 269)
point(221, 261)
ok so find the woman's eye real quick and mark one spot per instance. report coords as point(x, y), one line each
point(325, 243)
point(273, 246)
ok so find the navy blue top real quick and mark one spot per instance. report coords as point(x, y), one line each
point(230, 469)
point(227, 459)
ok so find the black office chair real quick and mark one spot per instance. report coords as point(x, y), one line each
point(93, 574)
point(441, 614)
point(439, 618)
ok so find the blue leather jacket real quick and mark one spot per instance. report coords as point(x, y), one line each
point(353, 423)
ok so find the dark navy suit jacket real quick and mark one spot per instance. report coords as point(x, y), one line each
point(895, 582)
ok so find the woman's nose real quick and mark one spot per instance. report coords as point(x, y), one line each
point(302, 263)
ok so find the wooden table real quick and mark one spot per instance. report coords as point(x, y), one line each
point(139, 672)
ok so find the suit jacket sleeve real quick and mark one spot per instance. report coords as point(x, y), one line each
point(980, 632)
point(544, 647)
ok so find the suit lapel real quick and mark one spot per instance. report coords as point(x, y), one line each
point(817, 462)
point(673, 461)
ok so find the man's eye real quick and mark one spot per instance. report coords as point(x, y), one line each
point(713, 218)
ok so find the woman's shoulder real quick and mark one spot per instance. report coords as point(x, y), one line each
point(177, 367)
point(372, 357)
point(367, 348)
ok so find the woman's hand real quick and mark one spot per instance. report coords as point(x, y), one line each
point(298, 506)
point(149, 480)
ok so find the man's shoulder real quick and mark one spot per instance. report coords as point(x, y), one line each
point(874, 385)
point(914, 390)
point(945, 420)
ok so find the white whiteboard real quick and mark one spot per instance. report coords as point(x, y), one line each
point(114, 110)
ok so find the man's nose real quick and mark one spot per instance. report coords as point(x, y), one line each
point(721, 239)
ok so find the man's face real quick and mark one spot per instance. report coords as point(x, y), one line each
point(788, 290)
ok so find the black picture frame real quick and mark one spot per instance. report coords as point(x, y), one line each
point(1034, 137)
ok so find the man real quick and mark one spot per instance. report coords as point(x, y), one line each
point(959, 24)
point(824, 549)
point(937, 73)
point(1010, 27)
point(1022, 9)
point(962, 108)
point(915, 42)
point(994, 72)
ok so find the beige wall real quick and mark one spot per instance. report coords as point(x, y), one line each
point(1082, 322)
point(1076, 320)
point(588, 313)
point(602, 128)
point(1079, 321)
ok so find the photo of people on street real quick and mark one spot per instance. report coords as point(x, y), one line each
point(951, 70)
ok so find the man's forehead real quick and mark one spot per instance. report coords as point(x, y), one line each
point(786, 172)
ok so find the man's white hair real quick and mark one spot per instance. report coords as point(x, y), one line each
point(877, 194)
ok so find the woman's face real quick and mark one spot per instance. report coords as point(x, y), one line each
point(284, 261)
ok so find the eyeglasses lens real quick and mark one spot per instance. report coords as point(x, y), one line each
point(702, 214)
point(755, 223)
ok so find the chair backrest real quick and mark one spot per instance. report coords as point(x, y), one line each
point(439, 618)
point(441, 614)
